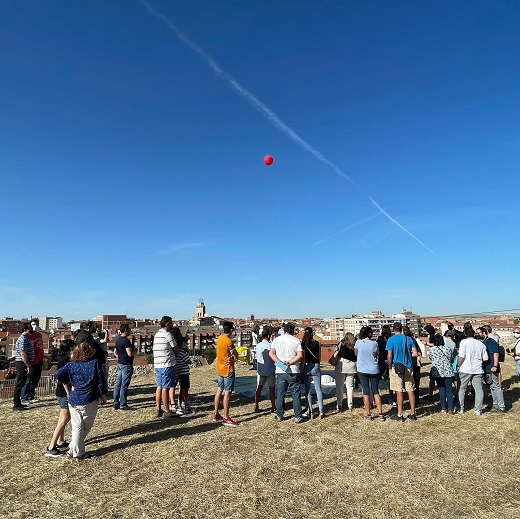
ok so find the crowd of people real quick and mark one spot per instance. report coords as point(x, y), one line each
point(286, 364)
point(459, 359)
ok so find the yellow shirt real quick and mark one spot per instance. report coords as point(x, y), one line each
point(225, 359)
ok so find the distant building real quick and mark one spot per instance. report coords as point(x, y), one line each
point(339, 326)
point(112, 322)
point(49, 323)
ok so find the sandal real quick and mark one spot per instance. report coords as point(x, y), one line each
point(368, 417)
point(381, 417)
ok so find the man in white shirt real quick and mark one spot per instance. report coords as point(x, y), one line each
point(515, 350)
point(472, 353)
point(286, 352)
point(265, 368)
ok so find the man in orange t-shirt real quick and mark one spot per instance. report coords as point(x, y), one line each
point(225, 361)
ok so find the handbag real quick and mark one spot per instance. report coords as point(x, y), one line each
point(399, 369)
point(334, 359)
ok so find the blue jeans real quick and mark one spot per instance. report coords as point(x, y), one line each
point(291, 381)
point(313, 369)
point(517, 362)
point(445, 392)
point(124, 375)
point(33, 379)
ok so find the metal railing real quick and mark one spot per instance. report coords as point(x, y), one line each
point(46, 386)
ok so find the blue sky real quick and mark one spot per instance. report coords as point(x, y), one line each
point(133, 180)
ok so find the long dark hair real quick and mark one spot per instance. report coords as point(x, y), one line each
point(307, 337)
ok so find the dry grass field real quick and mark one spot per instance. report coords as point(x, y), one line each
point(343, 467)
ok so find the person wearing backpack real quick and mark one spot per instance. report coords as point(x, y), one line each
point(492, 371)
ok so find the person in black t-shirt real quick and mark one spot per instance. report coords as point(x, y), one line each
point(124, 352)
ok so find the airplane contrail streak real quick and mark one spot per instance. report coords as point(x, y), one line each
point(377, 206)
point(264, 110)
point(351, 226)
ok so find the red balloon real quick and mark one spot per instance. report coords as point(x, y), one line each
point(268, 160)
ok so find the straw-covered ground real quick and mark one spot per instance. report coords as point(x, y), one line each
point(438, 467)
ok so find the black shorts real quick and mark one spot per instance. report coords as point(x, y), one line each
point(184, 381)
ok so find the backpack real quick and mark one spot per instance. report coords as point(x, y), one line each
point(501, 353)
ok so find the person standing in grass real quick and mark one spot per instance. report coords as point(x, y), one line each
point(472, 354)
point(33, 378)
point(182, 374)
point(125, 353)
point(58, 445)
point(164, 348)
point(225, 361)
point(400, 350)
point(24, 355)
point(368, 371)
point(514, 352)
point(287, 350)
point(492, 369)
point(265, 370)
point(86, 387)
point(311, 370)
point(345, 371)
point(441, 356)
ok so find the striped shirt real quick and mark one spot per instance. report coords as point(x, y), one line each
point(23, 343)
point(182, 358)
point(163, 354)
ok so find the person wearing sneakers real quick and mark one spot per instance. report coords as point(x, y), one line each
point(492, 369)
point(441, 356)
point(33, 379)
point(24, 355)
point(472, 354)
point(400, 350)
point(368, 371)
point(125, 353)
point(58, 445)
point(86, 387)
point(287, 354)
point(265, 369)
point(225, 361)
point(182, 374)
point(164, 348)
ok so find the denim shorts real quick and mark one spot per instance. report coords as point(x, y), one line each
point(62, 402)
point(369, 383)
point(227, 384)
point(165, 377)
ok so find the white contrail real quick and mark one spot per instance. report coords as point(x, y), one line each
point(262, 108)
point(250, 97)
point(399, 225)
point(351, 226)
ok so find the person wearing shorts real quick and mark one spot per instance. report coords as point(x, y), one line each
point(225, 361)
point(58, 446)
point(164, 348)
point(182, 372)
point(400, 350)
point(367, 351)
point(265, 370)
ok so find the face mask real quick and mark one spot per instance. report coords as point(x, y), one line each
point(516, 335)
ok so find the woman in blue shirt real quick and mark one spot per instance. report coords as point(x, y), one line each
point(368, 371)
point(86, 386)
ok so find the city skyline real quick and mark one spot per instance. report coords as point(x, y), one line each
point(134, 136)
